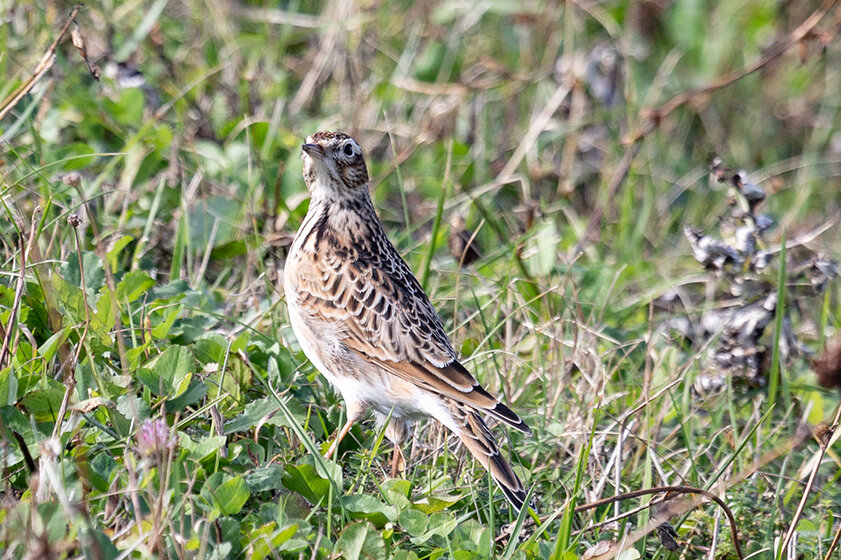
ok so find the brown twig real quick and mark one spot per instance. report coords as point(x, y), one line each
point(24, 257)
point(42, 68)
point(834, 543)
point(823, 437)
point(653, 117)
point(734, 529)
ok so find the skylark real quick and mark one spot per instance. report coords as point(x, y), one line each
point(364, 321)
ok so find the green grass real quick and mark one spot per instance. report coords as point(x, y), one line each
point(164, 304)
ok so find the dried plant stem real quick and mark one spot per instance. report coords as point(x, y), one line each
point(26, 248)
point(42, 68)
point(653, 117)
point(101, 252)
point(734, 529)
point(834, 543)
point(70, 380)
point(824, 439)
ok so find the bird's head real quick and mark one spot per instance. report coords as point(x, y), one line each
point(333, 164)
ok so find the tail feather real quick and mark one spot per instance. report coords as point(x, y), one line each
point(479, 440)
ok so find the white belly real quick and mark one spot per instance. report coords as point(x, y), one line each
point(371, 387)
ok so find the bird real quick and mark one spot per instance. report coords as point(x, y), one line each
point(366, 324)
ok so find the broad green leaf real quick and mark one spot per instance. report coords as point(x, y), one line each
point(103, 320)
point(44, 403)
point(396, 491)
point(94, 271)
point(75, 154)
point(115, 250)
point(8, 387)
point(256, 412)
point(413, 521)
point(207, 447)
point(210, 348)
point(170, 314)
point(169, 372)
point(231, 495)
point(365, 506)
point(306, 479)
point(361, 541)
point(268, 539)
point(171, 291)
point(194, 392)
point(103, 549)
point(133, 407)
point(69, 299)
point(267, 478)
point(436, 502)
point(128, 108)
point(133, 285)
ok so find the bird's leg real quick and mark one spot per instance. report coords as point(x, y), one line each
point(342, 433)
point(398, 463)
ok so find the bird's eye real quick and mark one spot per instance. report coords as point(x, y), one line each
point(348, 150)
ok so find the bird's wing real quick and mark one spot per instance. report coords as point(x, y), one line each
point(379, 310)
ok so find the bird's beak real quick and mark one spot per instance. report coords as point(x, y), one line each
point(313, 150)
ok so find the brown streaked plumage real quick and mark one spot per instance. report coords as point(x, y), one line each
point(366, 324)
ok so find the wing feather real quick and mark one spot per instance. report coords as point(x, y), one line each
point(367, 293)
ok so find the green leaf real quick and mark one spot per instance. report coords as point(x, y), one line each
point(231, 495)
point(171, 291)
point(133, 407)
point(94, 271)
point(44, 403)
point(396, 491)
point(170, 314)
point(305, 479)
point(365, 506)
point(8, 387)
point(541, 252)
point(256, 412)
point(48, 349)
point(69, 299)
point(361, 541)
point(207, 447)
point(116, 248)
point(104, 549)
point(436, 502)
point(268, 478)
point(104, 319)
point(195, 391)
point(440, 524)
point(133, 285)
point(75, 153)
point(229, 250)
point(210, 347)
point(268, 539)
point(413, 521)
point(170, 373)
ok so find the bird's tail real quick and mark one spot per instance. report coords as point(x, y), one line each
point(479, 440)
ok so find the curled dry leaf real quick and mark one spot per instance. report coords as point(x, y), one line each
point(87, 405)
point(602, 549)
point(828, 364)
point(462, 242)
